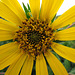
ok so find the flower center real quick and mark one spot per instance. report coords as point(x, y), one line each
point(34, 36)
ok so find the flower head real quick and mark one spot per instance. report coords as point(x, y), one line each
point(34, 37)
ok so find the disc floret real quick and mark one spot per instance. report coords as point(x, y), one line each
point(34, 36)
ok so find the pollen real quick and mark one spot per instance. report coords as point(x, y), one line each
point(34, 36)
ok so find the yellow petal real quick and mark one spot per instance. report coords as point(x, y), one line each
point(8, 14)
point(9, 56)
point(55, 64)
point(65, 35)
point(5, 25)
point(6, 47)
point(65, 52)
point(15, 68)
point(35, 7)
point(5, 35)
point(66, 18)
point(41, 67)
point(55, 7)
point(27, 67)
point(15, 7)
point(49, 8)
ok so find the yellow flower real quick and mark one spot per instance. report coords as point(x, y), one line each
point(33, 37)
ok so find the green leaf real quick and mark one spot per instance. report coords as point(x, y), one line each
point(26, 11)
point(57, 56)
point(53, 19)
point(67, 65)
point(72, 71)
point(50, 72)
point(28, 7)
point(67, 43)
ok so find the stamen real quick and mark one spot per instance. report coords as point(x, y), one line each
point(34, 36)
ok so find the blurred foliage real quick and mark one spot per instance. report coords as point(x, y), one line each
point(72, 71)
point(56, 55)
point(50, 72)
point(70, 67)
point(67, 65)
